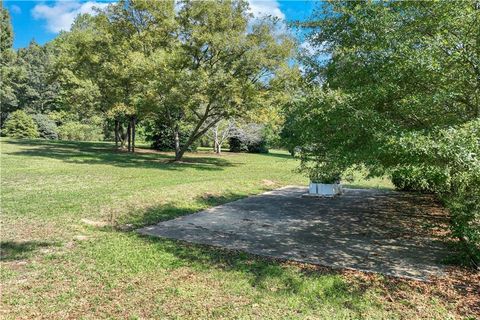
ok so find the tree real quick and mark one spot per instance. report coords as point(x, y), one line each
point(218, 67)
point(220, 132)
point(46, 127)
point(248, 136)
point(401, 89)
point(37, 90)
point(9, 73)
point(105, 58)
point(20, 125)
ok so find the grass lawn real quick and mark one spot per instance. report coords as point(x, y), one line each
point(68, 249)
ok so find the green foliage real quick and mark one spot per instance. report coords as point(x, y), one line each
point(37, 90)
point(248, 137)
point(9, 72)
point(161, 136)
point(77, 131)
point(399, 94)
point(257, 147)
point(195, 66)
point(6, 34)
point(424, 179)
point(322, 174)
point(454, 175)
point(218, 66)
point(47, 128)
point(27, 81)
point(237, 145)
point(20, 125)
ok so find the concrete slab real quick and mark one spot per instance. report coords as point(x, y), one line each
point(370, 230)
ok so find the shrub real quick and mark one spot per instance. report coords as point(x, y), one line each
point(20, 125)
point(77, 131)
point(47, 128)
point(250, 138)
point(237, 145)
point(447, 164)
point(161, 136)
point(257, 146)
point(422, 179)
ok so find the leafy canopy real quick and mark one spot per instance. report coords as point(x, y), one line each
point(401, 90)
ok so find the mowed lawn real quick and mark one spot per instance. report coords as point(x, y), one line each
point(69, 249)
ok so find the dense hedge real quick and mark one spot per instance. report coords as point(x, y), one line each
point(238, 145)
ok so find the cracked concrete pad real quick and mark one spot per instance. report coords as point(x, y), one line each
point(370, 230)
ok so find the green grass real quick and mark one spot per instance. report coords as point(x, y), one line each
point(68, 249)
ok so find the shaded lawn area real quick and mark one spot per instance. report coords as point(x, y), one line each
point(68, 251)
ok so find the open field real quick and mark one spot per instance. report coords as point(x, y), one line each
point(69, 250)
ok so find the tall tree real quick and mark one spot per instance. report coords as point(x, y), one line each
point(401, 89)
point(397, 67)
point(219, 66)
point(37, 90)
point(9, 73)
point(106, 57)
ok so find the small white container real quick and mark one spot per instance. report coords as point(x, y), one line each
point(324, 189)
point(312, 189)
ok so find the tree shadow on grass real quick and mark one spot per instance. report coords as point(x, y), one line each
point(314, 285)
point(155, 214)
point(19, 250)
point(274, 154)
point(104, 153)
point(268, 275)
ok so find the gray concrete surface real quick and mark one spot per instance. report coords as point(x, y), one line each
point(370, 230)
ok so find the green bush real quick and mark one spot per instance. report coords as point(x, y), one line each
point(20, 125)
point(447, 164)
point(257, 147)
point(249, 137)
point(422, 179)
point(161, 138)
point(77, 131)
point(47, 128)
point(237, 145)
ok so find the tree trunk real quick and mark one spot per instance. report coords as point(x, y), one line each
point(134, 120)
point(129, 135)
point(122, 135)
point(178, 150)
point(216, 142)
point(196, 134)
point(116, 133)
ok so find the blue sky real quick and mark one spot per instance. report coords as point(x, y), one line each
point(43, 20)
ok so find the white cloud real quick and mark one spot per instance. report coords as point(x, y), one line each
point(61, 15)
point(15, 9)
point(266, 7)
point(308, 47)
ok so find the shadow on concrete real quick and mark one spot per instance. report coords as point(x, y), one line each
point(393, 233)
